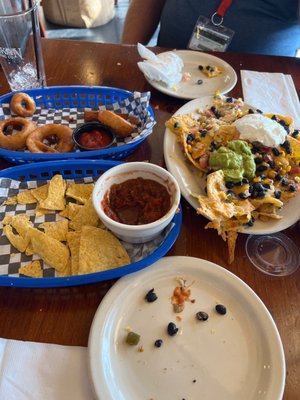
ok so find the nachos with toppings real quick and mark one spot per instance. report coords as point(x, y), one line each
point(251, 162)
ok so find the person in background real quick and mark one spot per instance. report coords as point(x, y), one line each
point(260, 26)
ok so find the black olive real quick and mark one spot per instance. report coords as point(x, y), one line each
point(259, 111)
point(199, 82)
point(158, 343)
point(292, 188)
point(203, 132)
point(229, 100)
point(284, 182)
point(221, 309)
point(245, 180)
point(254, 194)
point(261, 194)
point(172, 329)
point(250, 111)
point(202, 316)
point(267, 186)
point(176, 125)
point(200, 67)
point(278, 177)
point(151, 296)
point(274, 117)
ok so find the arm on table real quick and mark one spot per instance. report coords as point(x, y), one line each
point(141, 20)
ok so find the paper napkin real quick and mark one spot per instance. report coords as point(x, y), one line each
point(165, 67)
point(34, 371)
point(271, 92)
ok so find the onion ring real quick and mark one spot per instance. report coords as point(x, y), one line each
point(22, 104)
point(15, 141)
point(63, 133)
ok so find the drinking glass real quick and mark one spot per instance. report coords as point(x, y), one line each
point(20, 44)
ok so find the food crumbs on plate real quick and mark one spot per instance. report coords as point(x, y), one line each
point(186, 77)
point(158, 343)
point(178, 318)
point(141, 349)
point(119, 63)
point(181, 294)
point(156, 107)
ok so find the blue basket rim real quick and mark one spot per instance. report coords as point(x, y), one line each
point(27, 156)
point(96, 276)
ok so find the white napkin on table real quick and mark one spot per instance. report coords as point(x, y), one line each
point(40, 371)
point(271, 92)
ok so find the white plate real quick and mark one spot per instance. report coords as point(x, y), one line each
point(191, 90)
point(231, 357)
point(190, 183)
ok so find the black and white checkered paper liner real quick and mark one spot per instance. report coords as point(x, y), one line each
point(136, 105)
point(11, 259)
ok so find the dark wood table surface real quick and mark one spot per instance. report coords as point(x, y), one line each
point(64, 315)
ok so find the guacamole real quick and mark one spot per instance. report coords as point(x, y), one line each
point(236, 161)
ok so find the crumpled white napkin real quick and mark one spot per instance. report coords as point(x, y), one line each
point(165, 67)
point(35, 371)
point(271, 92)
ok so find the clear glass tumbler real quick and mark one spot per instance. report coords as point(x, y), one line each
point(20, 44)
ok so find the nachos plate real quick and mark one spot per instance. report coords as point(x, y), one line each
point(192, 181)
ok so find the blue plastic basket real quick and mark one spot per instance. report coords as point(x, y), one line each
point(72, 169)
point(90, 97)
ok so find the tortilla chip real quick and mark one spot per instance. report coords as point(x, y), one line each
point(231, 242)
point(26, 197)
point(33, 269)
point(9, 201)
point(55, 199)
point(80, 191)
point(70, 210)
point(18, 241)
point(64, 272)
point(57, 230)
point(20, 222)
point(40, 193)
point(100, 250)
point(39, 211)
point(85, 216)
point(50, 250)
point(29, 249)
point(73, 240)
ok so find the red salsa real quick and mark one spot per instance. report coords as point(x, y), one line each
point(136, 201)
point(95, 138)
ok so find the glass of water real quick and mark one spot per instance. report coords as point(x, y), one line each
point(20, 44)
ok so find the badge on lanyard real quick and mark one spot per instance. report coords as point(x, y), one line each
point(210, 34)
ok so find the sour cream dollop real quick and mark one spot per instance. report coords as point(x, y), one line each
point(258, 128)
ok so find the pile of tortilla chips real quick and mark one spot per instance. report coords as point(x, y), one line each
point(75, 244)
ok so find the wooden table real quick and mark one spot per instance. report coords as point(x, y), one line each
point(64, 315)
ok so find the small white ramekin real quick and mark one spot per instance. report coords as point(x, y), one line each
point(132, 170)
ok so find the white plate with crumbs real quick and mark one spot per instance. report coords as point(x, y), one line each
point(234, 356)
point(190, 89)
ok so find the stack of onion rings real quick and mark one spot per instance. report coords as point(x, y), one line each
point(15, 141)
point(62, 133)
point(22, 104)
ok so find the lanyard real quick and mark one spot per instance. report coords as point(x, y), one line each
point(217, 17)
